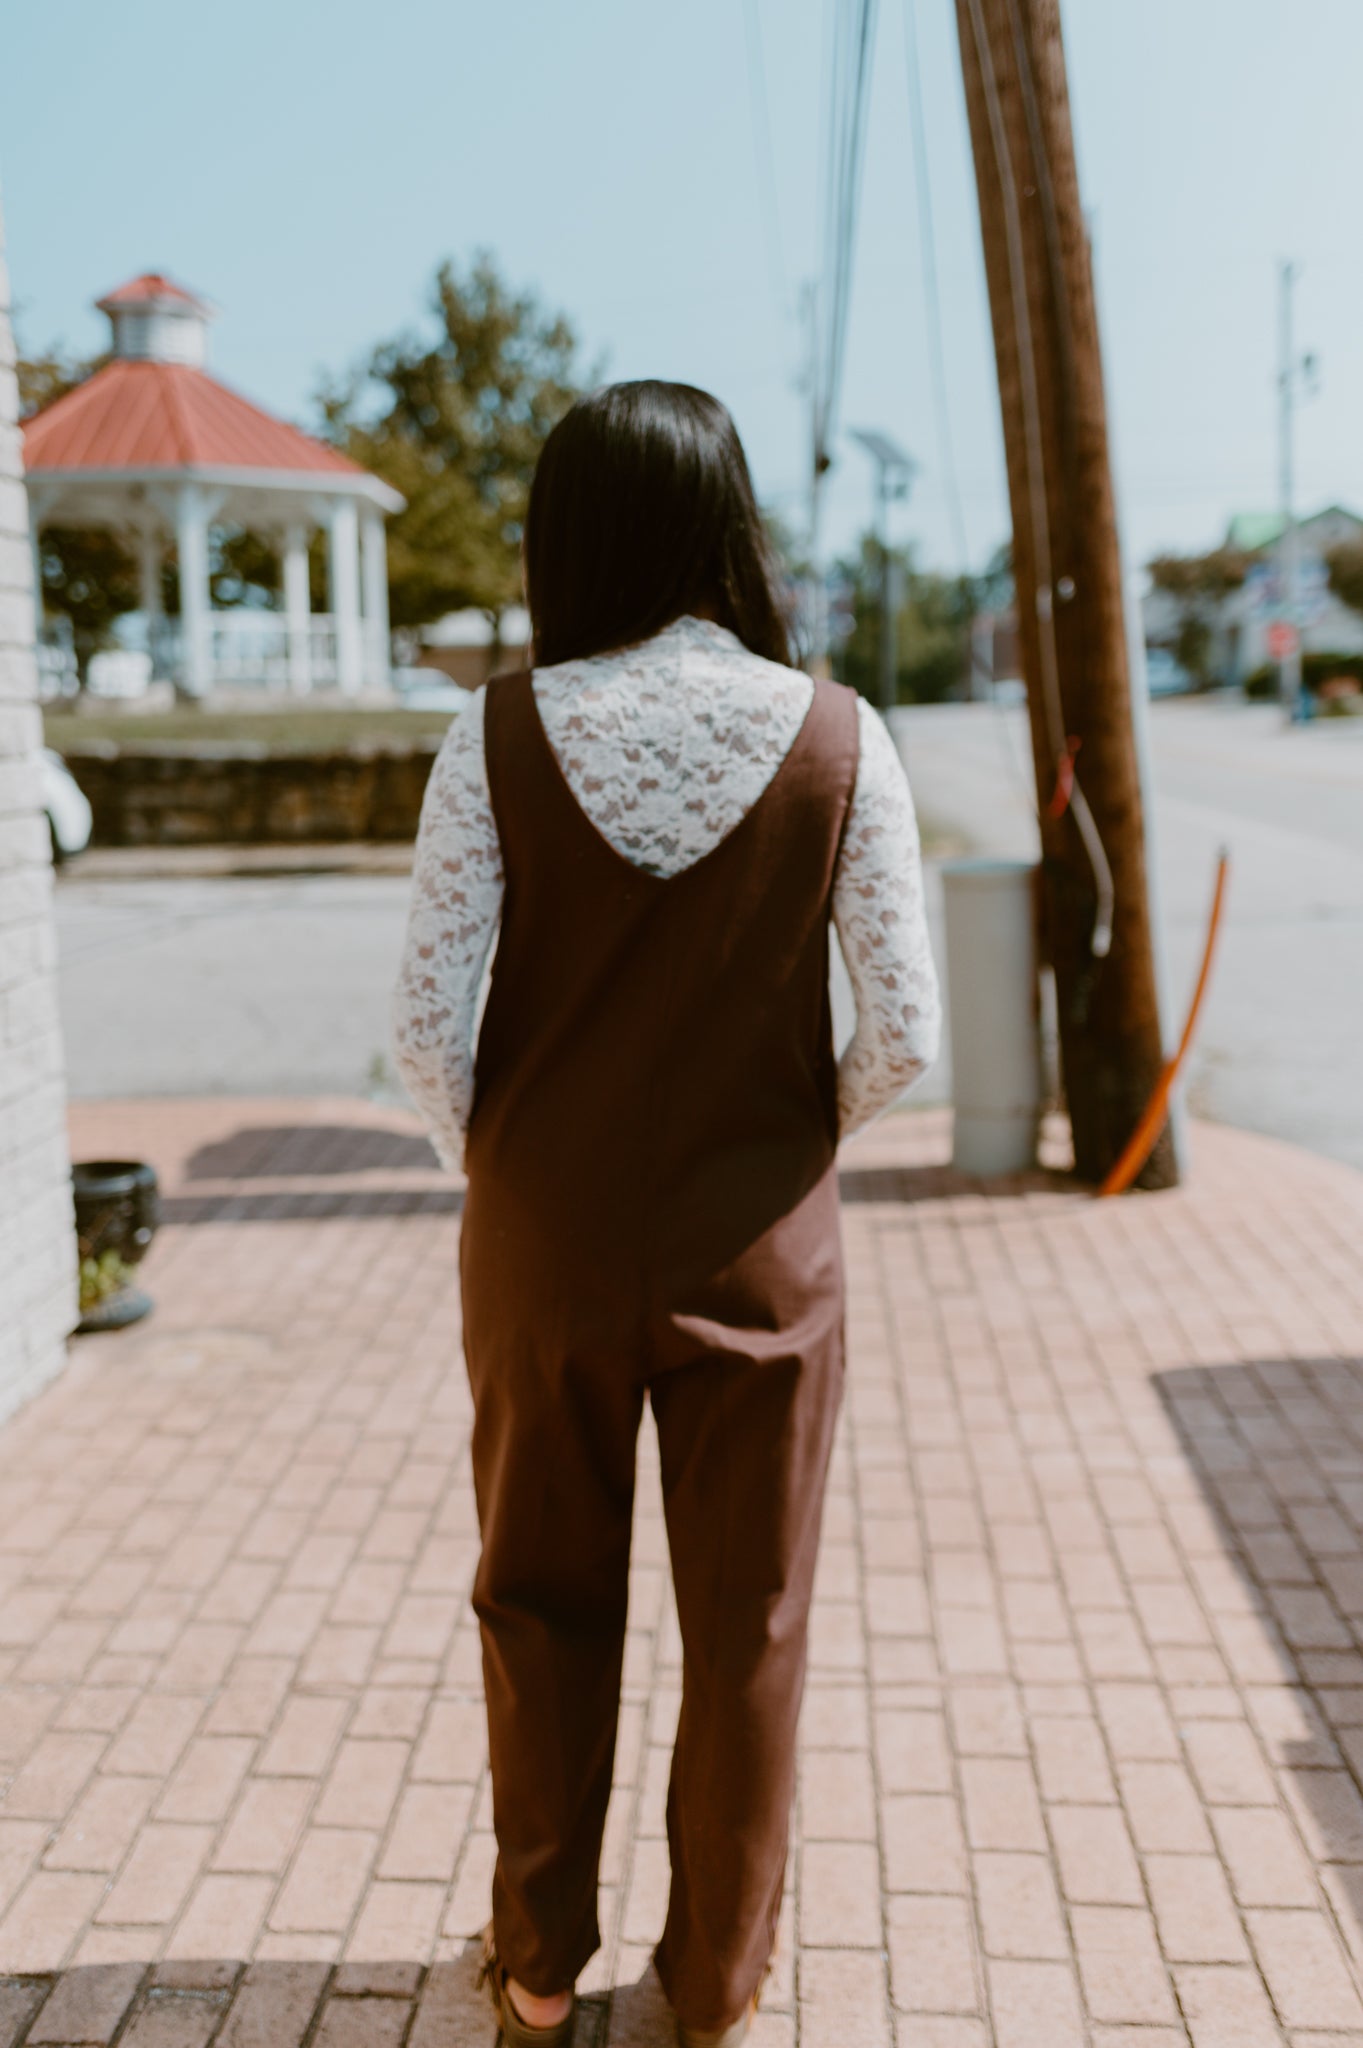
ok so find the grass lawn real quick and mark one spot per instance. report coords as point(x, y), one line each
point(275, 732)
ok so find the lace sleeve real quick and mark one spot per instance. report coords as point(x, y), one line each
point(456, 905)
point(879, 912)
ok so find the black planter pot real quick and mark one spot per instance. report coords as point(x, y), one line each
point(118, 1209)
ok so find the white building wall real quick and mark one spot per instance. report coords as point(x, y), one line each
point(37, 1227)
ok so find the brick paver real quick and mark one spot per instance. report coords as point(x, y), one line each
point(1083, 1744)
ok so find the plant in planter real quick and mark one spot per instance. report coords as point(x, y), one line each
point(117, 1213)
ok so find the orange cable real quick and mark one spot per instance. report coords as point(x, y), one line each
point(1064, 779)
point(1142, 1140)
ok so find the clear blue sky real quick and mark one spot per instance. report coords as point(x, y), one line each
point(306, 167)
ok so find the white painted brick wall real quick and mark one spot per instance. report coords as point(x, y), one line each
point(37, 1229)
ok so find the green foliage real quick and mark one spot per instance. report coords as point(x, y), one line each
point(90, 578)
point(243, 569)
point(1200, 578)
point(88, 575)
point(102, 1277)
point(1193, 648)
point(43, 379)
point(790, 547)
point(1316, 670)
point(1199, 584)
point(932, 628)
point(1344, 567)
point(455, 420)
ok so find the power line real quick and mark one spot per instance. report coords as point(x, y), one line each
point(849, 96)
point(927, 237)
point(765, 156)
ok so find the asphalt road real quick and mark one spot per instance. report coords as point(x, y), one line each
point(240, 984)
point(277, 982)
point(1279, 1046)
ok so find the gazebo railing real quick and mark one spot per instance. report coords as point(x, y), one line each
point(322, 650)
point(253, 651)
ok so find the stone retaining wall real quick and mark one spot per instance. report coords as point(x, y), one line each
point(196, 794)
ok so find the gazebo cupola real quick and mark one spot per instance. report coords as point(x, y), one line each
point(155, 321)
point(155, 448)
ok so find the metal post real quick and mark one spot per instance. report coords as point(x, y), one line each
point(893, 469)
point(888, 663)
point(1289, 660)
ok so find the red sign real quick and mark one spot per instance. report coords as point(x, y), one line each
point(1282, 640)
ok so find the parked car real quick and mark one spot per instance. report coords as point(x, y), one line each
point(67, 807)
point(429, 689)
point(1166, 676)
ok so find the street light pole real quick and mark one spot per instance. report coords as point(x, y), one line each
point(893, 471)
point(1295, 374)
point(1289, 660)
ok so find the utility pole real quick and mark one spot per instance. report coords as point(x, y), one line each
point(1067, 570)
point(1296, 374)
point(893, 471)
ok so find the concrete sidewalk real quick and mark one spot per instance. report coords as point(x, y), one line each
point(1084, 1726)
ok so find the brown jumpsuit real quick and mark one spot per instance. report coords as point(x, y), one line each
point(653, 1208)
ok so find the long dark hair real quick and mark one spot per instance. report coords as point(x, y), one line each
point(642, 510)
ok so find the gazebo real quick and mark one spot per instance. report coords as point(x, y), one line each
point(157, 449)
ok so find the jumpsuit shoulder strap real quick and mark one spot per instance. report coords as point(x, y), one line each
point(835, 737)
point(512, 744)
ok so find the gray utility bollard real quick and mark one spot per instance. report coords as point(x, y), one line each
point(993, 994)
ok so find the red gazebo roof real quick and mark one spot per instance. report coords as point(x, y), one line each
point(153, 287)
point(151, 415)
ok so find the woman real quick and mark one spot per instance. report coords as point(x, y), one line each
point(658, 824)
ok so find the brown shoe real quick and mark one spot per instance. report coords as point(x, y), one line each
point(727, 2037)
point(515, 2032)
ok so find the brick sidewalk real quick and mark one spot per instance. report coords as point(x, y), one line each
point(1085, 1720)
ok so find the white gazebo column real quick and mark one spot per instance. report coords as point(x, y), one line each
point(343, 576)
point(149, 588)
point(374, 564)
point(191, 540)
point(298, 609)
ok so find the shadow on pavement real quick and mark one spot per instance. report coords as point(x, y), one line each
point(391, 2004)
point(275, 1150)
point(311, 1206)
point(1277, 1447)
point(323, 1152)
point(943, 1183)
point(334, 1151)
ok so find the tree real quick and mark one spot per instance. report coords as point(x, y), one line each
point(932, 627)
point(1344, 568)
point(88, 575)
point(455, 420)
point(1199, 585)
point(46, 378)
point(1200, 578)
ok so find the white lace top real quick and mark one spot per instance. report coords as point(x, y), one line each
point(665, 745)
